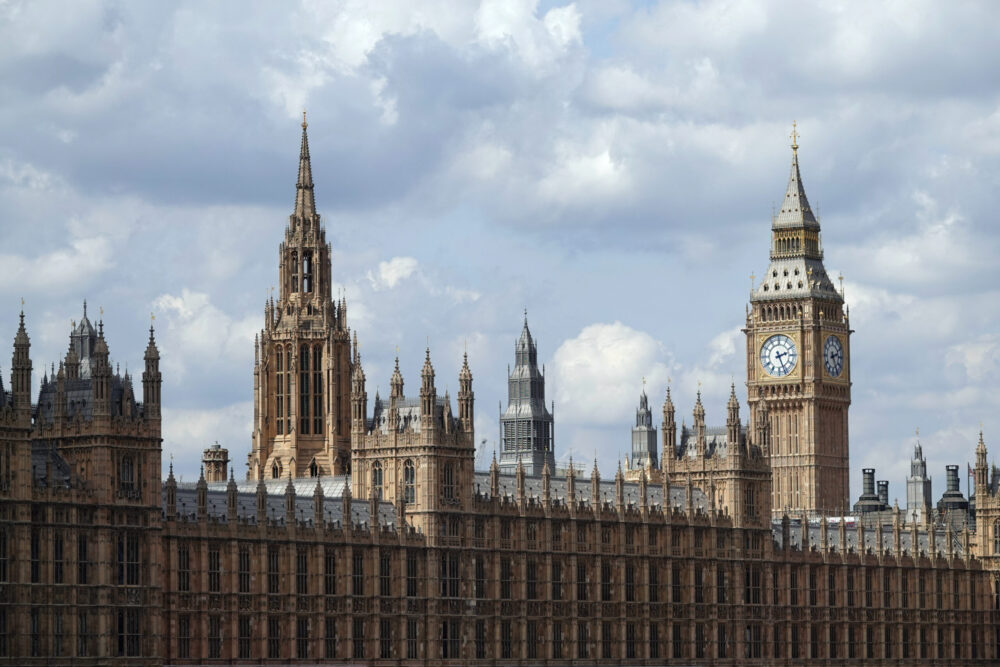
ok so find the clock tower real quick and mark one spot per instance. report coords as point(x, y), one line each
point(798, 363)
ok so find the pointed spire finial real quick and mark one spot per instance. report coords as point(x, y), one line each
point(304, 123)
point(794, 136)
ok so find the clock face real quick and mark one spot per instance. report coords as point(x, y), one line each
point(778, 355)
point(833, 356)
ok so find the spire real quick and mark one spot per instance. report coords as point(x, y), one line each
point(396, 383)
point(305, 201)
point(795, 210)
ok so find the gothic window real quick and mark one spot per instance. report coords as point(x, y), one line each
point(304, 390)
point(996, 536)
point(127, 474)
point(295, 271)
point(317, 388)
point(377, 478)
point(274, 471)
point(279, 368)
point(409, 479)
point(307, 272)
point(313, 469)
point(449, 481)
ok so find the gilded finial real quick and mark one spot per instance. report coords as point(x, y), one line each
point(22, 303)
point(304, 123)
point(794, 136)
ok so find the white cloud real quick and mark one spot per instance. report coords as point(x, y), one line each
point(392, 273)
point(198, 333)
point(597, 376)
point(188, 432)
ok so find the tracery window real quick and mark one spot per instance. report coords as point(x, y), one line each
point(377, 478)
point(279, 401)
point(996, 536)
point(449, 481)
point(304, 390)
point(409, 482)
point(317, 390)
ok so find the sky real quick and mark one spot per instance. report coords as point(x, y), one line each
point(608, 166)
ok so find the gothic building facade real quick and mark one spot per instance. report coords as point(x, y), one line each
point(364, 535)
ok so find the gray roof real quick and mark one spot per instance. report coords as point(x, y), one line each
point(558, 490)
point(870, 537)
point(246, 501)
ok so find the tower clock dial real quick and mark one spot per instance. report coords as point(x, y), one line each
point(778, 355)
point(833, 356)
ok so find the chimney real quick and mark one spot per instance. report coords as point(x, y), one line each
point(883, 492)
point(869, 482)
point(952, 472)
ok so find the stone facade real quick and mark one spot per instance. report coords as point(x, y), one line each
point(434, 562)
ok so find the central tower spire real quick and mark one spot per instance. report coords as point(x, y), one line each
point(304, 368)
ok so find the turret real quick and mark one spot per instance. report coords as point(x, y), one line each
point(345, 507)
point(171, 488)
point(669, 430)
point(428, 395)
point(519, 481)
point(231, 498)
point(318, 500)
point(494, 477)
point(595, 488)
point(619, 489)
point(982, 469)
point(201, 493)
point(290, 500)
point(733, 421)
point(151, 379)
point(261, 500)
point(465, 396)
point(546, 485)
point(699, 425)
point(20, 367)
point(100, 374)
point(395, 395)
point(571, 486)
point(359, 399)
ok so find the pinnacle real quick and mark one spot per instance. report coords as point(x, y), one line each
point(305, 201)
point(795, 210)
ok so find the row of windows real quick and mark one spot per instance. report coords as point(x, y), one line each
point(49, 635)
point(310, 386)
point(56, 564)
point(615, 581)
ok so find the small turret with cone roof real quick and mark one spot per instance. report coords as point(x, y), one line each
point(151, 378)
point(428, 393)
point(202, 495)
point(20, 370)
point(494, 477)
point(231, 497)
point(290, 499)
point(699, 425)
point(733, 422)
point(466, 397)
point(171, 490)
point(669, 430)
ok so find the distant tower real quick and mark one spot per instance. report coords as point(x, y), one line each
point(526, 427)
point(918, 487)
point(644, 436)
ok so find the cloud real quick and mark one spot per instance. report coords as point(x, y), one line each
point(392, 272)
point(597, 376)
point(188, 432)
point(198, 333)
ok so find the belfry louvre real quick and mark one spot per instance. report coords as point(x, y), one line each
point(362, 534)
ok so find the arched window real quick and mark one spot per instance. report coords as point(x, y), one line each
point(313, 469)
point(317, 390)
point(279, 401)
point(295, 271)
point(409, 482)
point(449, 481)
point(377, 478)
point(304, 390)
point(274, 471)
point(996, 536)
point(307, 272)
point(127, 473)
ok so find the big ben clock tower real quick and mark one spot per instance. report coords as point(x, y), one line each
point(798, 362)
